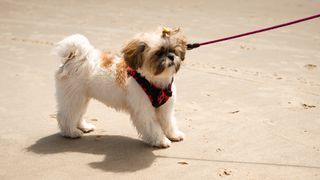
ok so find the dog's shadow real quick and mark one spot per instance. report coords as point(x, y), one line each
point(123, 154)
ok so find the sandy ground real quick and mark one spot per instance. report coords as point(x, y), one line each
point(249, 107)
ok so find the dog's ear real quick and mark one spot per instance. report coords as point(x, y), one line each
point(133, 53)
point(181, 48)
point(181, 42)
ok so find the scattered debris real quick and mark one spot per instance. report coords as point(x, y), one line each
point(246, 47)
point(227, 172)
point(317, 149)
point(224, 172)
point(308, 106)
point(310, 66)
point(234, 112)
point(33, 41)
point(218, 150)
point(183, 163)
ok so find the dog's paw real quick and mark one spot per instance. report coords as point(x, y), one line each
point(76, 133)
point(87, 127)
point(176, 136)
point(164, 143)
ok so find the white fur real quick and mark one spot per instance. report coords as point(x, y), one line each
point(81, 78)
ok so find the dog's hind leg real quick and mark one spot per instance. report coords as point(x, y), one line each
point(71, 107)
point(85, 126)
point(71, 78)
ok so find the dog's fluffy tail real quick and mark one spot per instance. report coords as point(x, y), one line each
point(75, 47)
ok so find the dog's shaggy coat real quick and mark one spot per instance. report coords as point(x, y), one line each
point(87, 73)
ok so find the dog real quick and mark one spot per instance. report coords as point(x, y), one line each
point(139, 82)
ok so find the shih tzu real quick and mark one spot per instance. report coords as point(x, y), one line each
point(140, 82)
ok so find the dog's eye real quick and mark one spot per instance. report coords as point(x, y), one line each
point(171, 51)
point(160, 53)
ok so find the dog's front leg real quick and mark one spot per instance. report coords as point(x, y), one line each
point(167, 119)
point(145, 121)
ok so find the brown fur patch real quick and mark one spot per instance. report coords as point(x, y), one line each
point(182, 47)
point(121, 73)
point(106, 60)
point(133, 53)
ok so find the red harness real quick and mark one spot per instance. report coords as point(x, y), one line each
point(157, 96)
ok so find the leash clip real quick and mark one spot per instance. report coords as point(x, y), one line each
point(192, 46)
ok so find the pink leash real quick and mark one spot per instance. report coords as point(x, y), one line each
point(196, 45)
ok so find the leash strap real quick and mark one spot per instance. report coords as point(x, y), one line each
point(196, 45)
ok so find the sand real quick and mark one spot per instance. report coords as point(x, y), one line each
point(250, 108)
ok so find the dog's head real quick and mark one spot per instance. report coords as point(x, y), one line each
point(158, 54)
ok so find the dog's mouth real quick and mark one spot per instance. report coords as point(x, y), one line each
point(171, 64)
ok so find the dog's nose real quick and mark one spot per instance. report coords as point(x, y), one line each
point(171, 56)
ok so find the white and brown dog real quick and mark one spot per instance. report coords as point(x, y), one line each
point(139, 82)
